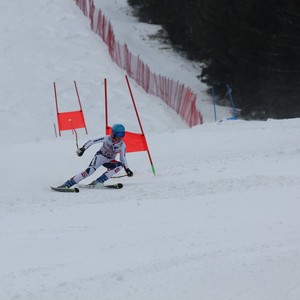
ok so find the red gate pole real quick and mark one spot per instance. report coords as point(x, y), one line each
point(56, 103)
point(77, 93)
point(106, 105)
point(137, 115)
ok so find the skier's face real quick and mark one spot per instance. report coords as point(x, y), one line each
point(118, 136)
point(117, 139)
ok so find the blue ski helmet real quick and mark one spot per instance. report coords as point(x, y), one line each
point(118, 130)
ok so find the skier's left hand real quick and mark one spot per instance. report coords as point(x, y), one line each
point(80, 151)
point(129, 172)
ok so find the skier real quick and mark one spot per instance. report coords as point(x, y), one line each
point(111, 146)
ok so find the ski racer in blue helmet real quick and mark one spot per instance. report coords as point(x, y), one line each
point(112, 145)
point(117, 132)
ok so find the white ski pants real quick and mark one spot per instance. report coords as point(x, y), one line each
point(113, 167)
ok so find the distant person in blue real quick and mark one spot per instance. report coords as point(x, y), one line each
point(111, 146)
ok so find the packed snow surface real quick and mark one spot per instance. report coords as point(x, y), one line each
point(219, 221)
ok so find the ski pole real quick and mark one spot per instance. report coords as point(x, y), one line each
point(120, 176)
point(75, 132)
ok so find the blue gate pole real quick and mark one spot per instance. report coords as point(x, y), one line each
point(229, 92)
point(214, 102)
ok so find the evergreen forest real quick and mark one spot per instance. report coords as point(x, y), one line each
point(252, 45)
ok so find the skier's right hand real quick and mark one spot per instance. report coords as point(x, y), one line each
point(80, 151)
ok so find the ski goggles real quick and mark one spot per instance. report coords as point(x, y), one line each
point(119, 134)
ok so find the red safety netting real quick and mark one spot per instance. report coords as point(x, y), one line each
point(181, 98)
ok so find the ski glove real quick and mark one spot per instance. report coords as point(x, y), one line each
point(129, 172)
point(80, 151)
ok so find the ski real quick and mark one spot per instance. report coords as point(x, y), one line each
point(65, 190)
point(116, 186)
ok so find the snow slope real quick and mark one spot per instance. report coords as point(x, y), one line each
point(218, 221)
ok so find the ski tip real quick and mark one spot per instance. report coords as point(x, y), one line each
point(66, 190)
point(116, 186)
